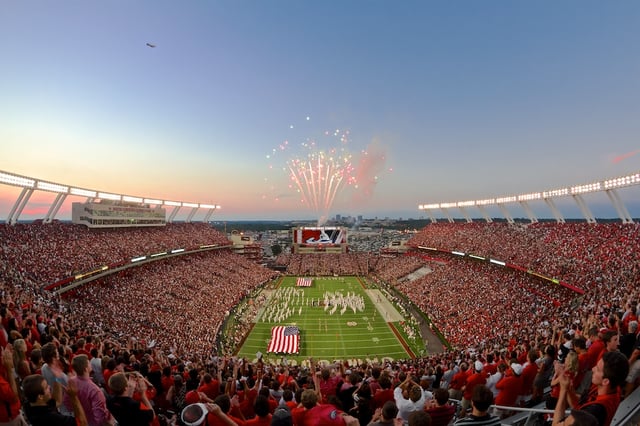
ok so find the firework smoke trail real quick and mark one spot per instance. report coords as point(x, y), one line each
point(337, 176)
point(294, 176)
point(619, 158)
point(328, 179)
point(311, 185)
point(316, 187)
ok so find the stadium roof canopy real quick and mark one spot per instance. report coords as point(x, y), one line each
point(29, 185)
point(608, 186)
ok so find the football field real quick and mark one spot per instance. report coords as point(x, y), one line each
point(338, 319)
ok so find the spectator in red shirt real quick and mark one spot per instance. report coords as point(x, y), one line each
point(509, 388)
point(458, 381)
point(209, 386)
point(439, 409)
point(477, 378)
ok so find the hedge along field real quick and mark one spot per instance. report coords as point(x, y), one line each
point(328, 333)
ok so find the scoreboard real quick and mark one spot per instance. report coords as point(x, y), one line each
point(319, 239)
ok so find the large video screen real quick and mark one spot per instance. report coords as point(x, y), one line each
point(319, 235)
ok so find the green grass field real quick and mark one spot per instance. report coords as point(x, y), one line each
point(361, 335)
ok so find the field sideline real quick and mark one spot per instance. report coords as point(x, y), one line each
point(343, 334)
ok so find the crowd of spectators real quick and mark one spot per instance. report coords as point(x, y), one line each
point(46, 253)
point(325, 264)
point(176, 304)
point(186, 298)
point(600, 259)
point(165, 314)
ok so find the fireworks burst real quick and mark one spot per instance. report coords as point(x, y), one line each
point(318, 176)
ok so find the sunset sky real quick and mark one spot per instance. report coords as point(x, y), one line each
point(410, 102)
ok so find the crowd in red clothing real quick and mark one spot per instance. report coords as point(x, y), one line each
point(163, 316)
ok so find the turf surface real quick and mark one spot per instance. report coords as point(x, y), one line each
point(342, 335)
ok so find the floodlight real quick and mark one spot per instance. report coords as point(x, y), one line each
point(555, 193)
point(622, 181)
point(53, 187)
point(466, 203)
point(16, 180)
point(503, 200)
point(131, 199)
point(107, 196)
point(529, 197)
point(486, 202)
point(152, 201)
point(173, 203)
point(581, 189)
point(82, 192)
point(177, 251)
point(208, 206)
point(448, 205)
point(138, 259)
point(457, 253)
point(190, 205)
point(497, 262)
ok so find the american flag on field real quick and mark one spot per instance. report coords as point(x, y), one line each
point(284, 339)
point(304, 282)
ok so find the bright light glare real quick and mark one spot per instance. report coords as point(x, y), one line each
point(131, 199)
point(82, 192)
point(16, 180)
point(53, 187)
point(108, 196)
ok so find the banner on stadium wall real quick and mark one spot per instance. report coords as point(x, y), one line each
point(284, 340)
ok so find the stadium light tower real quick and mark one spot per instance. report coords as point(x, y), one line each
point(29, 185)
point(609, 186)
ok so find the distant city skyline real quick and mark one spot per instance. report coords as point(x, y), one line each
point(247, 104)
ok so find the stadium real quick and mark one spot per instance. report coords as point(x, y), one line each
point(163, 296)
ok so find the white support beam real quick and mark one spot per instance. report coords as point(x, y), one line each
point(173, 214)
point(554, 210)
point(446, 214)
point(465, 214)
point(55, 206)
point(193, 213)
point(532, 217)
point(22, 201)
point(505, 213)
point(208, 215)
point(484, 214)
point(584, 208)
point(60, 203)
point(12, 212)
point(618, 204)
